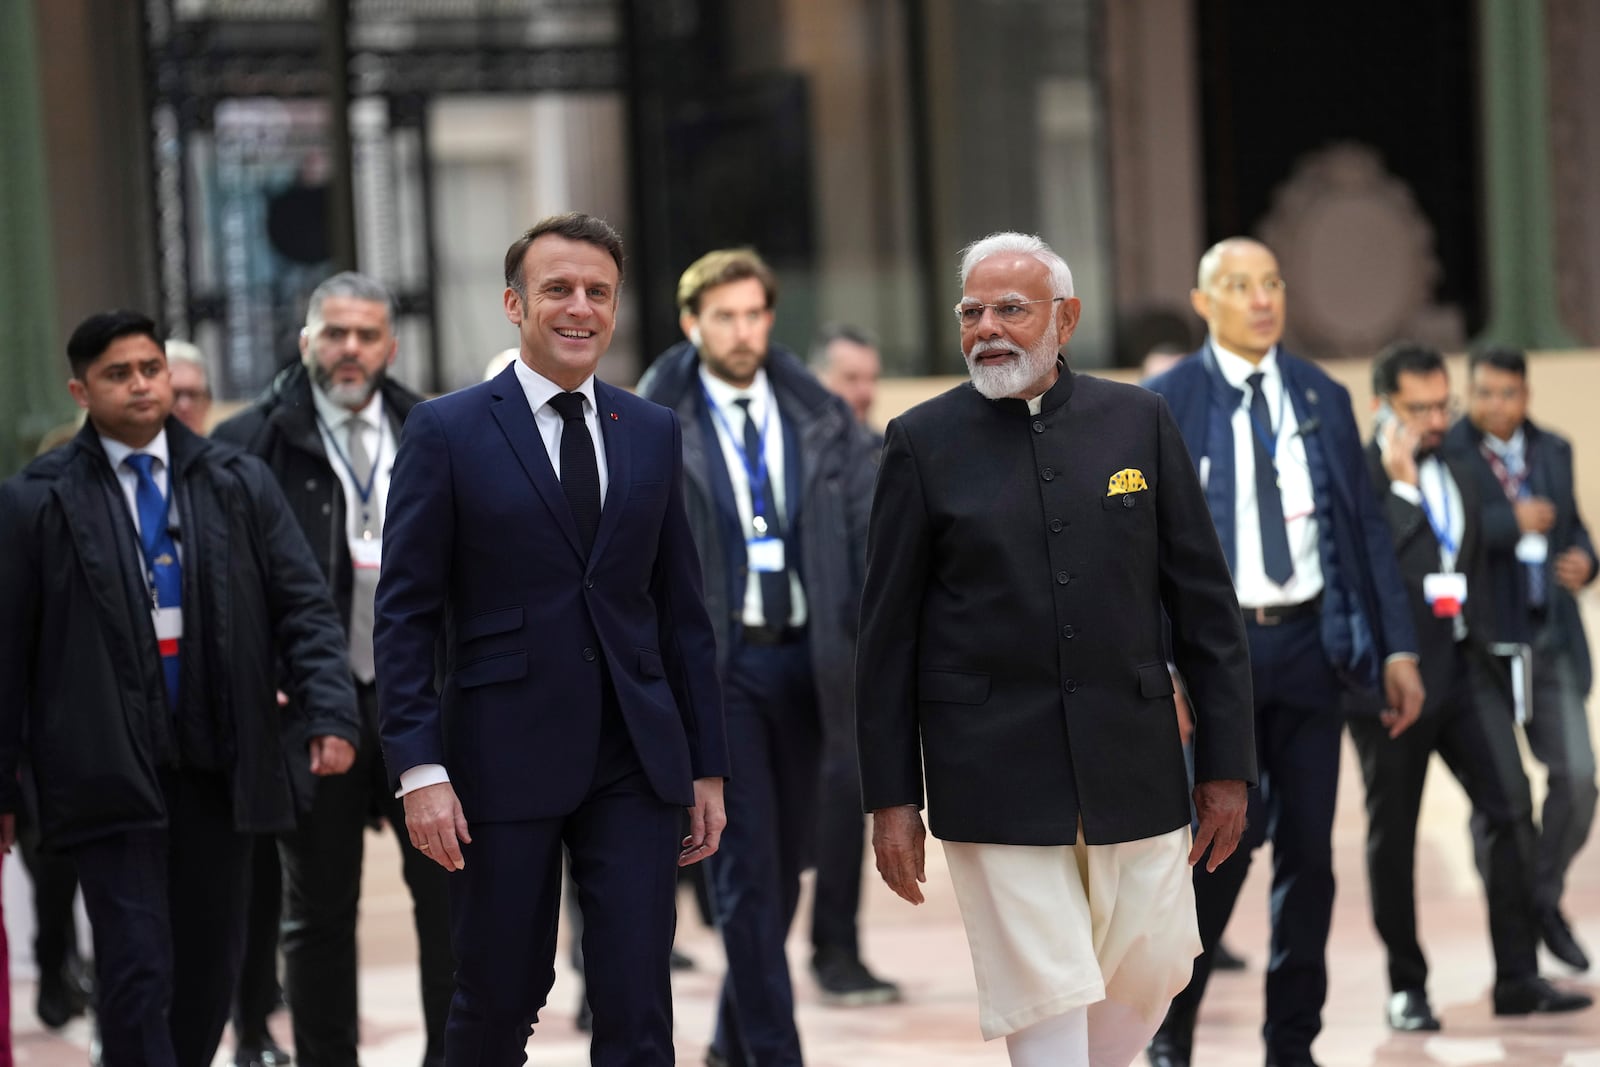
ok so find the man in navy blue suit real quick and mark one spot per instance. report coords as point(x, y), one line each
point(536, 536)
point(1281, 461)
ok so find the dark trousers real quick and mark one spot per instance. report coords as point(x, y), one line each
point(257, 993)
point(55, 887)
point(1298, 727)
point(622, 843)
point(321, 890)
point(841, 837)
point(167, 908)
point(1479, 745)
point(773, 743)
point(1558, 733)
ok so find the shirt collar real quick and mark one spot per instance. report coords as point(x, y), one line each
point(117, 452)
point(539, 389)
point(1503, 449)
point(1236, 369)
point(723, 394)
point(333, 416)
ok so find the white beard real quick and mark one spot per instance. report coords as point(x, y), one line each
point(1013, 376)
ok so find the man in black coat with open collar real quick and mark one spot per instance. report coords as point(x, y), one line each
point(152, 584)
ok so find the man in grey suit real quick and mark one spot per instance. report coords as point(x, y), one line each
point(1028, 533)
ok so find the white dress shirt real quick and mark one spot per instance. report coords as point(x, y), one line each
point(333, 422)
point(729, 422)
point(538, 390)
point(1250, 579)
point(1438, 495)
point(117, 453)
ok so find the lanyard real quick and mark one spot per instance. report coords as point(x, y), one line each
point(1440, 524)
point(1511, 484)
point(755, 468)
point(144, 551)
point(362, 491)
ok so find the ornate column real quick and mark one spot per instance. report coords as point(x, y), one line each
point(1522, 293)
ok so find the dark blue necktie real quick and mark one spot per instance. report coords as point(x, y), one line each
point(162, 570)
point(1517, 465)
point(580, 471)
point(1269, 502)
point(776, 604)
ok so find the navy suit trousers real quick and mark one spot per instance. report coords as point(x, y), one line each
point(774, 745)
point(167, 907)
point(1298, 728)
point(505, 905)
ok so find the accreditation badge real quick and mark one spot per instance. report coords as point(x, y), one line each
point(765, 554)
point(366, 553)
point(1445, 593)
point(169, 629)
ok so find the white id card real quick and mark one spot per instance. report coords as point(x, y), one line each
point(765, 554)
point(1445, 593)
point(1533, 548)
point(366, 554)
point(168, 622)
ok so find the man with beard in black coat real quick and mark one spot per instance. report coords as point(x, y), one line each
point(152, 584)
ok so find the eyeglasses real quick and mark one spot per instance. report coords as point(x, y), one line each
point(1448, 408)
point(1007, 311)
point(1240, 287)
point(193, 396)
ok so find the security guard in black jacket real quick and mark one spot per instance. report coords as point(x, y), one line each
point(328, 427)
point(151, 585)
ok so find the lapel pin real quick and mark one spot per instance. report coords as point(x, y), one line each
point(614, 417)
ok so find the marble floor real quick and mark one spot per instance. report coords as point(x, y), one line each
point(924, 950)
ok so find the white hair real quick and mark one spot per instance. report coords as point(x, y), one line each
point(179, 351)
point(1209, 262)
point(1023, 244)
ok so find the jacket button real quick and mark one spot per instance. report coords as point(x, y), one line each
point(327, 509)
point(588, 583)
point(1055, 525)
point(588, 655)
point(1038, 427)
point(1127, 501)
point(311, 483)
point(1070, 686)
point(1048, 473)
point(1068, 632)
point(1062, 577)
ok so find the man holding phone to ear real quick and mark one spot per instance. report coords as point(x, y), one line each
point(1432, 506)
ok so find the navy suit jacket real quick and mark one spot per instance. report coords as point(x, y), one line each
point(1365, 614)
point(482, 564)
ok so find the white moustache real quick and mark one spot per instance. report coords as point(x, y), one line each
point(987, 348)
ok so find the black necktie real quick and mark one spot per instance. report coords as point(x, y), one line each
point(580, 474)
point(1269, 502)
point(775, 600)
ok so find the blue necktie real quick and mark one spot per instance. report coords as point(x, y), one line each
point(163, 572)
point(1269, 502)
point(1517, 465)
point(776, 603)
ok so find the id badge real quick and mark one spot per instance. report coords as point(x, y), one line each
point(1533, 548)
point(1445, 593)
point(169, 628)
point(765, 554)
point(366, 554)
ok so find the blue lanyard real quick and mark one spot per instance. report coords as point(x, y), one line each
point(1441, 529)
point(755, 468)
point(362, 491)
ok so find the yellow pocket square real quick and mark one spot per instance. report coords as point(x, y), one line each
point(1126, 481)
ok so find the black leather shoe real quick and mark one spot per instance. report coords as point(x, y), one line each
point(1536, 996)
point(264, 1052)
point(1225, 959)
point(1293, 1061)
point(1173, 1042)
point(1557, 937)
point(1163, 1054)
point(1408, 1012)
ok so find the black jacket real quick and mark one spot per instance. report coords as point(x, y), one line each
point(837, 459)
point(1416, 547)
point(281, 428)
point(82, 696)
point(1012, 648)
point(1549, 476)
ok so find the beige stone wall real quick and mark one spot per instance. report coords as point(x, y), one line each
point(1565, 387)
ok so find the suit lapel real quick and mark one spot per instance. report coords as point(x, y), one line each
point(510, 410)
point(619, 464)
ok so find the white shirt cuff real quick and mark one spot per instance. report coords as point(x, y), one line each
point(1407, 492)
point(420, 775)
point(1412, 656)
